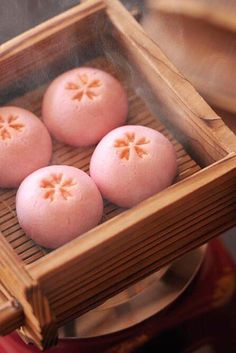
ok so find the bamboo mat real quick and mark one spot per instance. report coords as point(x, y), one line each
point(139, 114)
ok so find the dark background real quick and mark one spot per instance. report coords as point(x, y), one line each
point(16, 16)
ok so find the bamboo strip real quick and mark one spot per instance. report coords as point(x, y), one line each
point(74, 291)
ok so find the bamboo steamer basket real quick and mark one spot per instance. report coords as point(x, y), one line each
point(42, 291)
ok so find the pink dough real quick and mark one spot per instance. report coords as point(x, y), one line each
point(25, 145)
point(132, 163)
point(83, 105)
point(58, 203)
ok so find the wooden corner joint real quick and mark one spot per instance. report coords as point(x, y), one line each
point(226, 136)
point(29, 311)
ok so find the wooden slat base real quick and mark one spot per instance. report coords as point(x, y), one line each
point(139, 114)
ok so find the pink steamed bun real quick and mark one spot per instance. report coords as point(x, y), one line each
point(82, 105)
point(56, 204)
point(132, 163)
point(25, 145)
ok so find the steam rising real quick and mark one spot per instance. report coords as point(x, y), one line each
point(17, 16)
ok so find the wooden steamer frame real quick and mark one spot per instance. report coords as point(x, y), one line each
point(40, 296)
